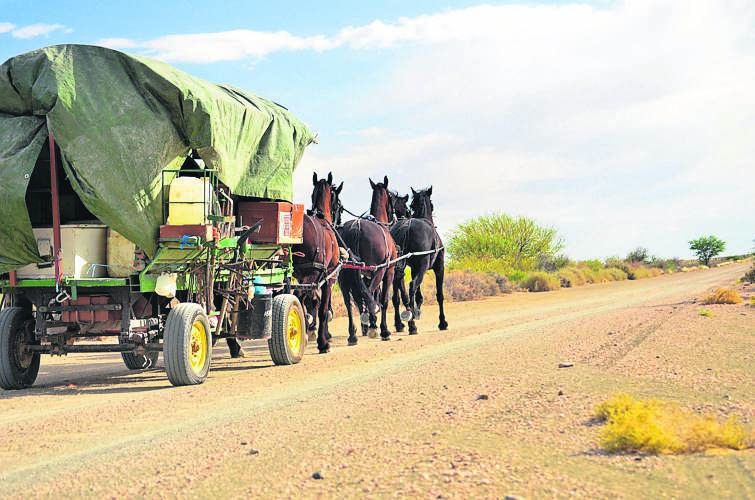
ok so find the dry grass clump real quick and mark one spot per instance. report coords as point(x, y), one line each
point(571, 276)
point(723, 296)
point(707, 313)
point(460, 286)
point(541, 282)
point(656, 427)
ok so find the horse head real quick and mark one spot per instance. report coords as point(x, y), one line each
point(422, 205)
point(381, 207)
point(400, 205)
point(336, 206)
point(322, 197)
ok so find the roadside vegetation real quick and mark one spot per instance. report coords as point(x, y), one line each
point(658, 427)
point(497, 254)
point(526, 256)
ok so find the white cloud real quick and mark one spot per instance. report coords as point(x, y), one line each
point(6, 27)
point(220, 46)
point(35, 30)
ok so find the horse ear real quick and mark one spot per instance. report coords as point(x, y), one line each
point(405, 198)
point(430, 191)
point(385, 182)
point(414, 193)
point(330, 177)
point(372, 183)
point(339, 188)
point(314, 178)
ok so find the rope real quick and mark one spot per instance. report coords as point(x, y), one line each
point(362, 266)
point(309, 286)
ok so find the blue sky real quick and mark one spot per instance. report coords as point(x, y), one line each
point(621, 124)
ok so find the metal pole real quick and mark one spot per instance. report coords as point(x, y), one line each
point(56, 244)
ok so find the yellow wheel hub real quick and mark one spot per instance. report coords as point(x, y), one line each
point(294, 330)
point(198, 346)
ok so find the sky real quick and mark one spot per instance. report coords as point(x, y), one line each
point(621, 124)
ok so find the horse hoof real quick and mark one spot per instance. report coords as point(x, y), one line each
point(443, 326)
point(406, 315)
point(353, 342)
point(364, 318)
point(325, 351)
point(372, 333)
point(385, 339)
point(413, 332)
point(399, 329)
point(311, 336)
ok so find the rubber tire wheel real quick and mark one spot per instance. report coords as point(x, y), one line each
point(140, 361)
point(13, 373)
point(284, 306)
point(177, 344)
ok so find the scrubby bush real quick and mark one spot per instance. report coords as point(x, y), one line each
point(541, 282)
point(592, 264)
point(707, 313)
point(571, 276)
point(460, 286)
point(723, 296)
point(653, 426)
point(616, 274)
point(551, 263)
point(749, 275)
point(638, 256)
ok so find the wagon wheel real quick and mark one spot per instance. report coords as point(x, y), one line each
point(288, 338)
point(18, 368)
point(140, 361)
point(187, 345)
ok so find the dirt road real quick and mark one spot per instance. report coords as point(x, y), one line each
point(480, 411)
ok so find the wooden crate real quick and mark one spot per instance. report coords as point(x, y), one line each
point(282, 222)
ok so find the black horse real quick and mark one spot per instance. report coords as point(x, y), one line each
point(370, 243)
point(418, 235)
point(400, 208)
point(317, 257)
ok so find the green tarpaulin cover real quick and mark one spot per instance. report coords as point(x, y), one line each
point(119, 121)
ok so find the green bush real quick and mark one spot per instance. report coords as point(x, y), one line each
point(518, 243)
point(593, 265)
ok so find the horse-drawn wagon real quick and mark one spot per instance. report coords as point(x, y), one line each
point(143, 211)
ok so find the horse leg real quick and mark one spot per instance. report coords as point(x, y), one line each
point(396, 316)
point(322, 314)
point(415, 297)
point(315, 304)
point(384, 294)
point(235, 347)
point(439, 269)
point(346, 292)
point(375, 294)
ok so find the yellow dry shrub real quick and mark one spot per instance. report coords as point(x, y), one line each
point(657, 427)
point(705, 312)
point(723, 296)
point(541, 282)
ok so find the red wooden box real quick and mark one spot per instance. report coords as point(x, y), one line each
point(90, 316)
point(282, 222)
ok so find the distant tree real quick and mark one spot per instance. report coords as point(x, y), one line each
point(707, 247)
point(638, 256)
